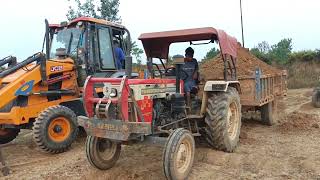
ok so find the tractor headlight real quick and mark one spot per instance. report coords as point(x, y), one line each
point(113, 92)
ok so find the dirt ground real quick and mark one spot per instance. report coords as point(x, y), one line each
point(288, 150)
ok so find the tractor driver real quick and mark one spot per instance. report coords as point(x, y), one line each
point(120, 58)
point(191, 69)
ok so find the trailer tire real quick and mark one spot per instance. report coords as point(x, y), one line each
point(93, 151)
point(55, 129)
point(223, 120)
point(267, 114)
point(316, 98)
point(8, 134)
point(180, 143)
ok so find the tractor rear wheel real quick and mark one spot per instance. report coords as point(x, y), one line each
point(8, 134)
point(316, 98)
point(178, 154)
point(55, 129)
point(223, 119)
point(102, 153)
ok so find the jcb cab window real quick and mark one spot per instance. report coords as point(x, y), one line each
point(106, 50)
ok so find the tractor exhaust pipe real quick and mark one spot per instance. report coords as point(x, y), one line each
point(178, 60)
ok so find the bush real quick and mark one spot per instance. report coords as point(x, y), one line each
point(304, 56)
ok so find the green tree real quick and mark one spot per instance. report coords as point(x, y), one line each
point(263, 47)
point(211, 54)
point(261, 51)
point(281, 51)
point(102, 9)
point(137, 52)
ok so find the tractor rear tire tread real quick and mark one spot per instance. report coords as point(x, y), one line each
point(216, 120)
point(40, 129)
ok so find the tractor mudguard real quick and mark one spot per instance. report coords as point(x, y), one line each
point(222, 86)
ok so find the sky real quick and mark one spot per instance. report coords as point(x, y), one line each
point(22, 22)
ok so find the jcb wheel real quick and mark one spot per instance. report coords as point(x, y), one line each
point(178, 154)
point(55, 129)
point(223, 119)
point(316, 98)
point(7, 135)
point(102, 153)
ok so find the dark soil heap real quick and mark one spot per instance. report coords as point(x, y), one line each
point(246, 64)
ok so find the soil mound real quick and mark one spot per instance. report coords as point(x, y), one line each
point(299, 121)
point(246, 65)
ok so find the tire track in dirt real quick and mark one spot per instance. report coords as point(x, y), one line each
point(264, 153)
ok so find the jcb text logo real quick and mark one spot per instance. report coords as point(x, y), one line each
point(56, 68)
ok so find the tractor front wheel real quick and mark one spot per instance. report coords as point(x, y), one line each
point(223, 119)
point(178, 154)
point(8, 134)
point(102, 153)
point(55, 129)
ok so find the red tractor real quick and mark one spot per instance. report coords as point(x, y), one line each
point(154, 110)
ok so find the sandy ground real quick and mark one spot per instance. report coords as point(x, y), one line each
point(288, 150)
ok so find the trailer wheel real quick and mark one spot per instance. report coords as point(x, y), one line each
point(8, 134)
point(267, 114)
point(223, 119)
point(102, 153)
point(55, 129)
point(178, 154)
point(316, 98)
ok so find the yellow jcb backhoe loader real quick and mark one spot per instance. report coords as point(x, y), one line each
point(43, 92)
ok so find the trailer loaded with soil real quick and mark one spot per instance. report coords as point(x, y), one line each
point(261, 84)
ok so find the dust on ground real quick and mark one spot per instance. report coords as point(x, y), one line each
point(264, 152)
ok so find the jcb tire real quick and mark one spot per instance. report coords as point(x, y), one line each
point(102, 153)
point(55, 129)
point(178, 154)
point(223, 119)
point(8, 134)
point(316, 98)
point(267, 114)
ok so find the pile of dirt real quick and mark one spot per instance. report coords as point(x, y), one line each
point(299, 121)
point(246, 65)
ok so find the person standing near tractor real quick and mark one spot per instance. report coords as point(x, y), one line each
point(191, 69)
point(120, 58)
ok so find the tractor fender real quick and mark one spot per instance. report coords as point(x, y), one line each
point(216, 86)
point(221, 86)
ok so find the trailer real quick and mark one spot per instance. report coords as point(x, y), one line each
point(260, 92)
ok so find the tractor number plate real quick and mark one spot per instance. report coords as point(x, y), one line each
point(113, 129)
